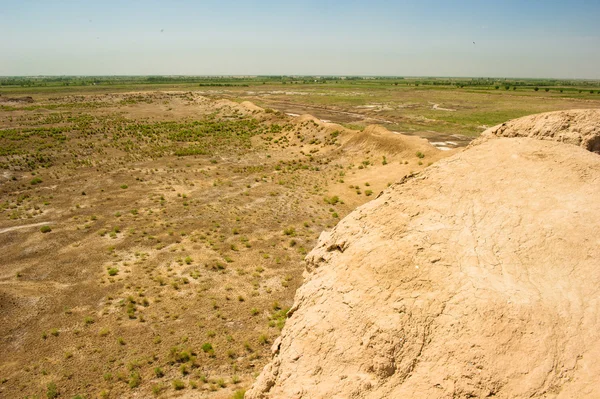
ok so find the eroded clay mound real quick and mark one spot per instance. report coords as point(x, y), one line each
point(477, 278)
point(580, 127)
point(379, 139)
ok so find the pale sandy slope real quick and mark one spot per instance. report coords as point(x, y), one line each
point(479, 278)
point(578, 127)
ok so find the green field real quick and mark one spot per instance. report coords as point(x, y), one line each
point(428, 107)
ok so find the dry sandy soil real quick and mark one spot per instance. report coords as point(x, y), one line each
point(577, 127)
point(153, 242)
point(475, 278)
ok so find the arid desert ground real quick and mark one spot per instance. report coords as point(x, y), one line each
point(153, 237)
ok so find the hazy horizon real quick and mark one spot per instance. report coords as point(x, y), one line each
point(538, 39)
point(242, 76)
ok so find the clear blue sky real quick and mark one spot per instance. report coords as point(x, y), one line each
point(526, 38)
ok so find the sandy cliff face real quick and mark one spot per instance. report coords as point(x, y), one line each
point(478, 277)
point(580, 127)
